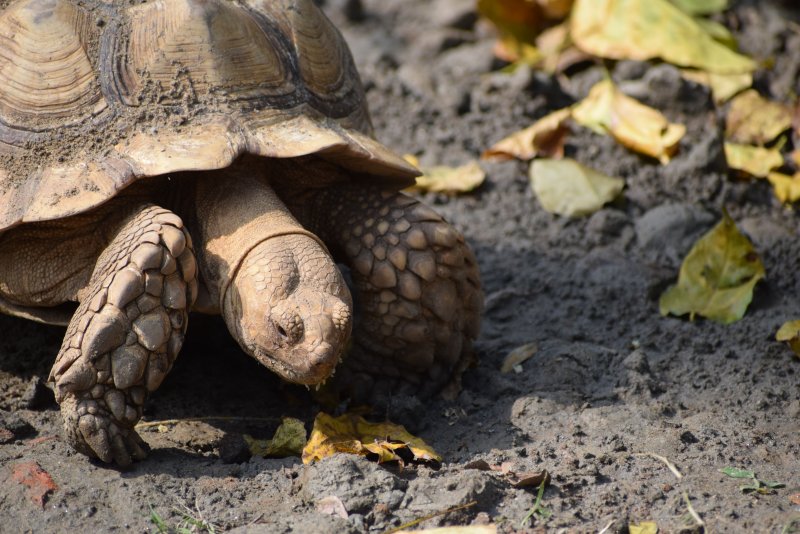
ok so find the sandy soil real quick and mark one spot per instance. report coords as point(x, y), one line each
point(612, 384)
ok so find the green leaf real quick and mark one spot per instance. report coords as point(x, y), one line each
point(735, 472)
point(648, 29)
point(568, 188)
point(717, 277)
point(754, 160)
point(289, 440)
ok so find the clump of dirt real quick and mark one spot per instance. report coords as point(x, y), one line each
point(633, 414)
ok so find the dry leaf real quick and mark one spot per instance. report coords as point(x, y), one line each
point(289, 440)
point(545, 137)
point(568, 188)
point(648, 29)
point(754, 120)
point(517, 356)
point(790, 332)
point(717, 277)
point(754, 160)
point(332, 505)
point(641, 128)
point(38, 481)
point(383, 442)
point(645, 527)
point(723, 86)
point(785, 187)
point(794, 498)
point(471, 529)
point(441, 179)
point(519, 19)
point(529, 478)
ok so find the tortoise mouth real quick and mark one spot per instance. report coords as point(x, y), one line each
point(310, 369)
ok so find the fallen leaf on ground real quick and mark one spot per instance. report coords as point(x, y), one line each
point(641, 128)
point(701, 7)
point(520, 19)
point(754, 160)
point(790, 332)
point(717, 277)
point(442, 179)
point(645, 527)
point(648, 29)
point(382, 442)
point(471, 529)
point(794, 498)
point(517, 356)
point(528, 478)
point(289, 440)
point(568, 188)
point(38, 481)
point(723, 86)
point(545, 137)
point(754, 120)
point(735, 472)
point(785, 187)
point(332, 505)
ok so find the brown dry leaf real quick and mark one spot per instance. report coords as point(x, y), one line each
point(794, 498)
point(785, 187)
point(648, 29)
point(383, 442)
point(754, 120)
point(753, 160)
point(519, 19)
point(723, 86)
point(332, 505)
point(641, 128)
point(515, 358)
point(38, 481)
point(289, 440)
point(529, 478)
point(545, 137)
point(449, 180)
point(790, 332)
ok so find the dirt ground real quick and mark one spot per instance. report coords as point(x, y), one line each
point(612, 387)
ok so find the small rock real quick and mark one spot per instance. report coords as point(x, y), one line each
point(233, 449)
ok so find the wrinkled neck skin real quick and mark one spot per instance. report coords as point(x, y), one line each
point(278, 289)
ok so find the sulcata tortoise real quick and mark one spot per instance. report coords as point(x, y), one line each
point(217, 156)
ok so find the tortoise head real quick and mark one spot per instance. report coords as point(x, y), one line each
point(289, 307)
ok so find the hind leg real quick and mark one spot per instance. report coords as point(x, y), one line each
point(125, 334)
point(416, 284)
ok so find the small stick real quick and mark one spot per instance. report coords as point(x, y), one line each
point(666, 462)
point(150, 424)
point(605, 528)
point(430, 516)
point(695, 515)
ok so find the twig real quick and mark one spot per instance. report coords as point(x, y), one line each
point(666, 462)
point(150, 424)
point(605, 528)
point(430, 516)
point(692, 512)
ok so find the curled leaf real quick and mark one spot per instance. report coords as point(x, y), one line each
point(641, 128)
point(451, 180)
point(754, 160)
point(790, 332)
point(754, 120)
point(382, 442)
point(517, 356)
point(648, 29)
point(289, 440)
point(568, 188)
point(717, 277)
point(545, 137)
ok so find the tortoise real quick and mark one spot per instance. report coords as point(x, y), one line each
point(216, 156)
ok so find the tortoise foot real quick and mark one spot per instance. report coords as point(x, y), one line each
point(125, 334)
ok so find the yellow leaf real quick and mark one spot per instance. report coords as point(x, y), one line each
point(544, 137)
point(519, 19)
point(648, 29)
point(701, 7)
point(450, 180)
point(568, 188)
point(790, 332)
point(754, 160)
point(723, 86)
point(383, 442)
point(634, 125)
point(645, 527)
point(785, 187)
point(754, 120)
point(717, 277)
point(517, 356)
point(289, 439)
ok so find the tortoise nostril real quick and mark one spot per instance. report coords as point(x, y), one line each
point(282, 332)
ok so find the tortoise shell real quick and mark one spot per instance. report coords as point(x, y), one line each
point(96, 94)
